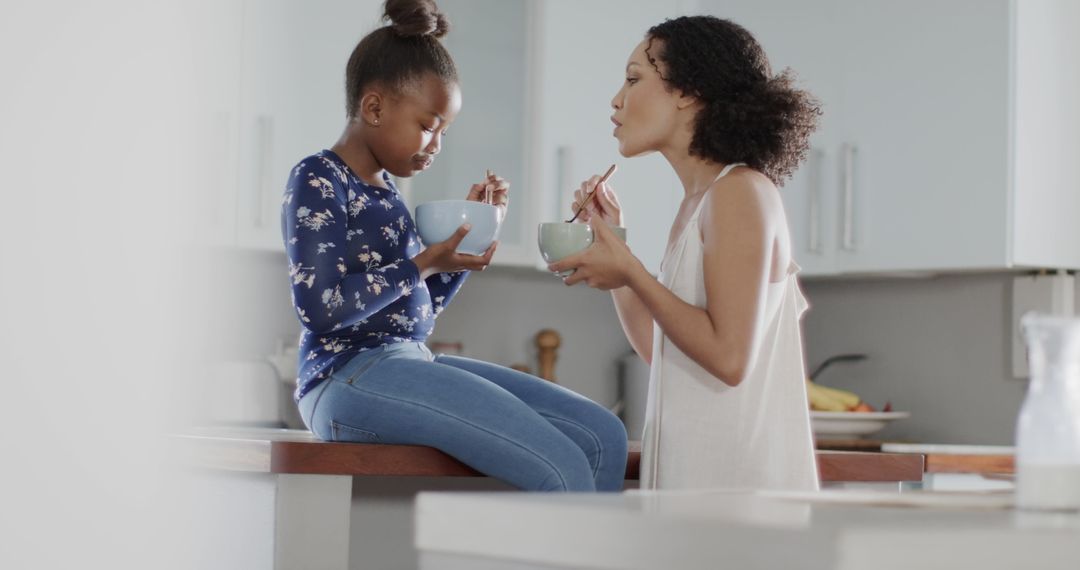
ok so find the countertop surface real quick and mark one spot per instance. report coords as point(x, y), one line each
point(711, 529)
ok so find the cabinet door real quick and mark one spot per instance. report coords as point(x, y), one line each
point(583, 48)
point(292, 99)
point(802, 36)
point(217, 93)
point(488, 41)
point(926, 111)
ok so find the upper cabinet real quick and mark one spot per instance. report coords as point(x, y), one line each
point(947, 131)
point(278, 95)
point(537, 79)
point(489, 42)
point(581, 52)
point(292, 98)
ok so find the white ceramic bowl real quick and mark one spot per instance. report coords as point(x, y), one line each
point(437, 221)
point(563, 239)
point(851, 424)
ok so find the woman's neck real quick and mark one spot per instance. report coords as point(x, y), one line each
point(696, 174)
point(357, 155)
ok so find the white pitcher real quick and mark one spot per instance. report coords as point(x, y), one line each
point(1048, 429)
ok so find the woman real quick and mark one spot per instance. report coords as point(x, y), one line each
point(367, 295)
point(727, 404)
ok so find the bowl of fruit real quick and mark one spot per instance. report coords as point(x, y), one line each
point(842, 414)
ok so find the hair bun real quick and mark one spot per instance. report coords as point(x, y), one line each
point(411, 18)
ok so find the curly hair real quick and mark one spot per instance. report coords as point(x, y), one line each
point(402, 51)
point(748, 115)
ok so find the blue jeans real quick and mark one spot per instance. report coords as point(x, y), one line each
point(528, 432)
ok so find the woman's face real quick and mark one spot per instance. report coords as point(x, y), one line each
point(411, 125)
point(646, 112)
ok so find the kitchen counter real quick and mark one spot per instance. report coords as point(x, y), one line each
point(985, 459)
point(319, 504)
point(281, 451)
point(692, 530)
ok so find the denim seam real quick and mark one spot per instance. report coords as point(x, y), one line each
point(334, 425)
point(315, 405)
point(364, 367)
point(596, 439)
point(467, 422)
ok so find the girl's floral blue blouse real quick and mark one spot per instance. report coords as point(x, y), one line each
point(354, 284)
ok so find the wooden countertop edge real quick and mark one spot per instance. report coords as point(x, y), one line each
point(330, 458)
point(985, 464)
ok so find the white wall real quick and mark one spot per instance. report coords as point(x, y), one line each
point(95, 144)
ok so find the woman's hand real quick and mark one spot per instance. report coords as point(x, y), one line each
point(499, 188)
point(443, 257)
point(606, 264)
point(604, 204)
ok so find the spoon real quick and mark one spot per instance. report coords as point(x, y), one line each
point(602, 180)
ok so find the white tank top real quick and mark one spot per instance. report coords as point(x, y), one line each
point(701, 433)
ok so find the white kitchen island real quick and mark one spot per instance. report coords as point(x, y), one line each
point(699, 530)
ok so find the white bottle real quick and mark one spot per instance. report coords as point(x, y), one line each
point(1048, 429)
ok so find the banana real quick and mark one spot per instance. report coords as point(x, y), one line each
point(849, 399)
point(831, 399)
point(819, 400)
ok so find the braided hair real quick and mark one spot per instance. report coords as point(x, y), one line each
point(400, 52)
point(749, 115)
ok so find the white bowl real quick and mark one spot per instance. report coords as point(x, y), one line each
point(437, 221)
point(851, 424)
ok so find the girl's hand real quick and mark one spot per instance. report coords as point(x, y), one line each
point(604, 204)
point(443, 257)
point(606, 264)
point(499, 189)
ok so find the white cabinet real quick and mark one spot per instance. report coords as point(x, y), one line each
point(217, 92)
point(798, 34)
point(947, 135)
point(488, 40)
point(581, 50)
point(292, 98)
point(537, 79)
point(278, 94)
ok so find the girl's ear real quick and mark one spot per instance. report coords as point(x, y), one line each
point(371, 108)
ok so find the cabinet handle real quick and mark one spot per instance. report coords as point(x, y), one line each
point(563, 171)
point(817, 158)
point(264, 133)
point(847, 242)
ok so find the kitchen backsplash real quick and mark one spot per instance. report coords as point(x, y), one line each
point(937, 347)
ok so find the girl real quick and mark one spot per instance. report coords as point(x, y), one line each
point(727, 404)
point(367, 295)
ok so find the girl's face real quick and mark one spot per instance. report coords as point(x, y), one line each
point(647, 113)
point(410, 125)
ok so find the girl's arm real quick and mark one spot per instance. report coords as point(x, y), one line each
point(443, 287)
point(326, 297)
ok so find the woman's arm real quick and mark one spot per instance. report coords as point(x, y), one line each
point(738, 230)
point(636, 321)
